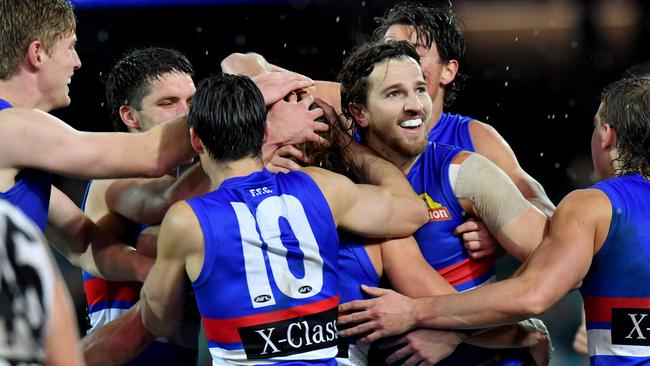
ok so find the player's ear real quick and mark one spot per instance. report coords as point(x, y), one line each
point(359, 115)
point(196, 142)
point(35, 53)
point(448, 73)
point(608, 139)
point(129, 117)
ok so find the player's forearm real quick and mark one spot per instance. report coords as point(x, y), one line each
point(109, 258)
point(118, 342)
point(523, 234)
point(139, 200)
point(404, 204)
point(377, 171)
point(191, 183)
point(147, 203)
point(517, 335)
point(530, 333)
point(155, 320)
point(542, 203)
point(408, 271)
point(115, 262)
point(498, 304)
point(166, 146)
point(535, 194)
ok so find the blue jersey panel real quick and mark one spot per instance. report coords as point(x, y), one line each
point(452, 129)
point(355, 268)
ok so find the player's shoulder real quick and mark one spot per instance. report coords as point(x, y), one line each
point(317, 173)
point(480, 131)
point(180, 230)
point(180, 216)
point(589, 205)
point(587, 197)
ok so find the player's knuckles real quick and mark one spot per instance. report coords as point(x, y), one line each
point(477, 255)
point(471, 236)
point(351, 318)
point(472, 245)
point(399, 354)
point(412, 361)
point(471, 225)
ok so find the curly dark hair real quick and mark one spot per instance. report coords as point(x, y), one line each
point(433, 24)
point(359, 65)
point(626, 108)
point(330, 157)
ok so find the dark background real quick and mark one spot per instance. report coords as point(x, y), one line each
point(536, 68)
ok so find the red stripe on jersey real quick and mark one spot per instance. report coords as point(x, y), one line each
point(225, 330)
point(466, 270)
point(599, 309)
point(99, 290)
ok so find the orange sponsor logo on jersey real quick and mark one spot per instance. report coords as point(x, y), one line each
point(437, 212)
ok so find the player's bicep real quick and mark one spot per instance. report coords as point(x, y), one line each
point(51, 145)
point(140, 200)
point(371, 212)
point(363, 209)
point(44, 140)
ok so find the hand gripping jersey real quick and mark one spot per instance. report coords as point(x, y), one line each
point(31, 193)
point(445, 251)
point(268, 289)
point(452, 129)
point(27, 289)
point(108, 300)
point(616, 290)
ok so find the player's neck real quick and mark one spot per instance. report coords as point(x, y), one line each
point(19, 92)
point(436, 112)
point(401, 160)
point(220, 171)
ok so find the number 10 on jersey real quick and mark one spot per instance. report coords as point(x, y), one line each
point(267, 218)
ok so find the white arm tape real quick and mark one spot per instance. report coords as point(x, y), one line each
point(496, 198)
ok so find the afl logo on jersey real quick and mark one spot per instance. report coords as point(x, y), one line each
point(262, 298)
point(305, 289)
point(437, 212)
